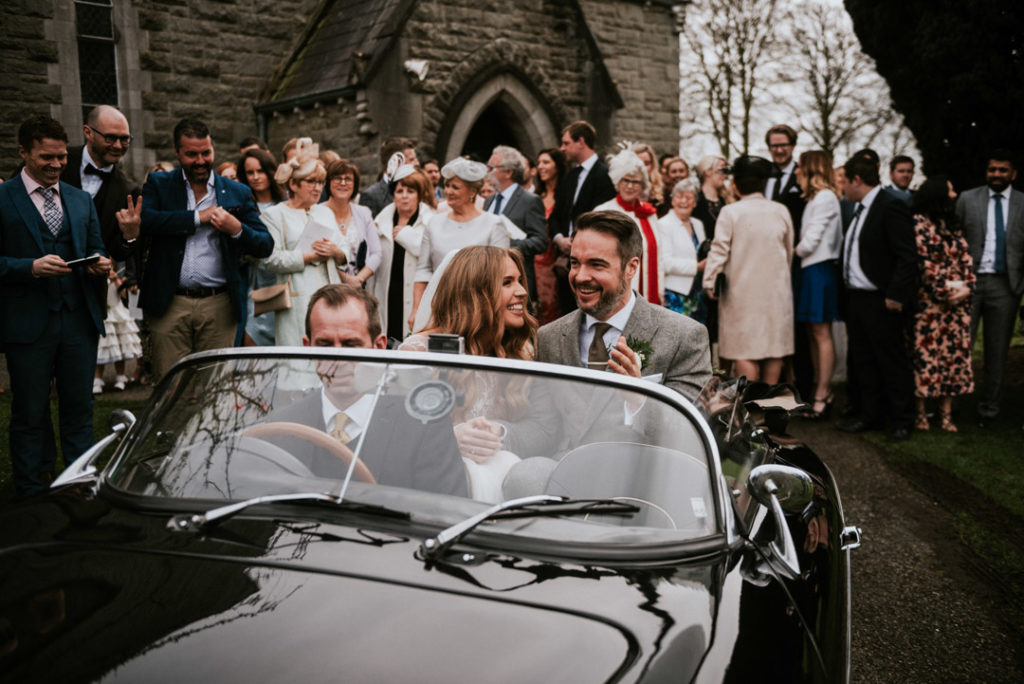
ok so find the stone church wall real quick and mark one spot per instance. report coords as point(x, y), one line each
point(640, 44)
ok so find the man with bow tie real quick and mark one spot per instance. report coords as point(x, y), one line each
point(95, 167)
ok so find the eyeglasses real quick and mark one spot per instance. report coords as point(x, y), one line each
point(344, 180)
point(111, 139)
point(312, 182)
point(780, 146)
point(629, 181)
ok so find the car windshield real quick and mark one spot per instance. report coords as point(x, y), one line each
point(441, 440)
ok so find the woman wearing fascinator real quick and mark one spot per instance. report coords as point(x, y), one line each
point(400, 227)
point(464, 225)
point(306, 265)
point(629, 175)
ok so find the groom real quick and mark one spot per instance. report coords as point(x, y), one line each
point(605, 255)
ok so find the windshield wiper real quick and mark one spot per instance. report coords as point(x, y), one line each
point(197, 522)
point(527, 506)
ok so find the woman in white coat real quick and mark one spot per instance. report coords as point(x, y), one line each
point(305, 267)
point(682, 236)
point(817, 299)
point(400, 228)
point(628, 174)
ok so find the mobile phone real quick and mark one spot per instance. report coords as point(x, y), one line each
point(445, 343)
point(84, 261)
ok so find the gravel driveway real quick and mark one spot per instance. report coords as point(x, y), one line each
point(919, 611)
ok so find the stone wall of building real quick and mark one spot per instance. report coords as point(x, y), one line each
point(201, 58)
point(462, 37)
point(27, 51)
point(212, 60)
point(640, 44)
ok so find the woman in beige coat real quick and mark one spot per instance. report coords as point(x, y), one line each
point(753, 249)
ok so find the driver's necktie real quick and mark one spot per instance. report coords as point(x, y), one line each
point(338, 433)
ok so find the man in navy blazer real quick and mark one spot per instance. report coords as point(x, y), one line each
point(199, 226)
point(51, 316)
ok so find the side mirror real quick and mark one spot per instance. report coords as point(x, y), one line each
point(83, 468)
point(781, 488)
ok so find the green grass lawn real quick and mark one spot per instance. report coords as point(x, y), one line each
point(104, 405)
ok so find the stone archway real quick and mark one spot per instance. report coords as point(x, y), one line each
point(495, 94)
point(501, 111)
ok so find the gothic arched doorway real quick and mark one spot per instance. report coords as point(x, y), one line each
point(503, 111)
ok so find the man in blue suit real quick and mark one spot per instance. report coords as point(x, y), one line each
point(51, 315)
point(199, 226)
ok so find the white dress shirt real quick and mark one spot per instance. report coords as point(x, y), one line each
point(358, 414)
point(769, 188)
point(855, 277)
point(988, 252)
point(90, 182)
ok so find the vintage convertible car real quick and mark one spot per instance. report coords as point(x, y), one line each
point(243, 529)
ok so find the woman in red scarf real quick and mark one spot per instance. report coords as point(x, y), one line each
point(628, 174)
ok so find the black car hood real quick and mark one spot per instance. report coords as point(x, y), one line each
point(304, 609)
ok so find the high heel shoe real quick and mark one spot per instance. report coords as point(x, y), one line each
point(947, 422)
point(921, 422)
point(814, 413)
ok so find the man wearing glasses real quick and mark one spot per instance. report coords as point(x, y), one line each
point(95, 168)
point(199, 226)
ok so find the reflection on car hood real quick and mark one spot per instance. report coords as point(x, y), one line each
point(128, 614)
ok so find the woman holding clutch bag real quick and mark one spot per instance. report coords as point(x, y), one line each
point(354, 221)
point(303, 270)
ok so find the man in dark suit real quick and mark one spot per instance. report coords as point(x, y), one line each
point(879, 266)
point(582, 189)
point(992, 216)
point(199, 226)
point(606, 253)
point(782, 187)
point(95, 168)
point(399, 450)
point(50, 315)
point(520, 206)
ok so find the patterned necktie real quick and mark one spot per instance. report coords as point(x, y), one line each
point(338, 433)
point(1000, 234)
point(851, 237)
point(497, 203)
point(51, 212)
point(597, 355)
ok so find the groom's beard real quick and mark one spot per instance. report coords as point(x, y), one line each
point(608, 300)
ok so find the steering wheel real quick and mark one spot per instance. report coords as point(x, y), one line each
point(311, 434)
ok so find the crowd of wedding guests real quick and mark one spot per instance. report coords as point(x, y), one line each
point(766, 253)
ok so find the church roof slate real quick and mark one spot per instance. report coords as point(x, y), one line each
point(338, 49)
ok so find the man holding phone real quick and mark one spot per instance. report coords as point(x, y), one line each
point(51, 315)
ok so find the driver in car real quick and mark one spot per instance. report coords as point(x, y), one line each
point(399, 450)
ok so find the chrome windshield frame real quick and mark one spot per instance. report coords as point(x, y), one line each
point(723, 517)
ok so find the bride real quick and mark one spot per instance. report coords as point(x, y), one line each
point(482, 297)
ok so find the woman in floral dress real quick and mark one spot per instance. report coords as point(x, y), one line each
point(941, 344)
